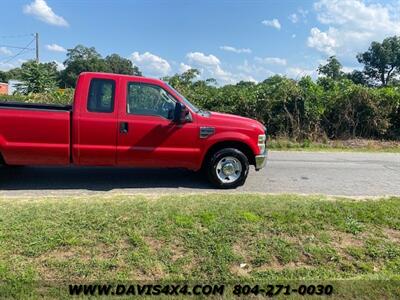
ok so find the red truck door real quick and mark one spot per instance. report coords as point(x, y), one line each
point(95, 121)
point(147, 136)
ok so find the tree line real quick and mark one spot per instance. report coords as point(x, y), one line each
point(337, 105)
point(44, 77)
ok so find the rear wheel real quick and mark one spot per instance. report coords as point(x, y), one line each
point(227, 168)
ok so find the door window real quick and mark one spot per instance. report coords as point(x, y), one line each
point(101, 96)
point(149, 100)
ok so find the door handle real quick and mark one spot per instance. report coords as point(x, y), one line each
point(123, 127)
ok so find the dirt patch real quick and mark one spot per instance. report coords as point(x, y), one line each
point(47, 273)
point(101, 251)
point(44, 261)
point(392, 234)
point(154, 273)
point(242, 253)
point(239, 250)
point(277, 266)
point(344, 240)
point(240, 271)
point(66, 253)
point(153, 244)
point(177, 251)
point(274, 265)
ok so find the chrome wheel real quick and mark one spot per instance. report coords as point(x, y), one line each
point(229, 169)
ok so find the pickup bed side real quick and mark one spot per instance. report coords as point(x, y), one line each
point(35, 134)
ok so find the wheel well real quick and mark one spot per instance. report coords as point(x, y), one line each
point(2, 161)
point(231, 144)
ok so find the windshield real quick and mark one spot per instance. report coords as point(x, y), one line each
point(187, 102)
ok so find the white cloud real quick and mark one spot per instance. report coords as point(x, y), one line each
point(210, 67)
point(151, 64)
point(56, 48)
point(184, 67)
point(256, 70)
point(232, 78)
point(6, 66)
point(348, 69)
point(246, 67)
point(300, 15)
point(303, 13)
point(235, 50)
point(352, 25)
point(249, 78)
point(43, 12)
point(294, 18)
point(222, 75)
point(272, 61)
point(272, 23)
point(296, 72)
point(322, 41)
point(201, 58)
point(60, 65)
point(5, 51)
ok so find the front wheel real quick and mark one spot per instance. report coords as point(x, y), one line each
point(228, 168)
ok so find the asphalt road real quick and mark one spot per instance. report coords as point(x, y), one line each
point(348, 174)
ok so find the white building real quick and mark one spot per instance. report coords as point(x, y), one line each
point(12, 86)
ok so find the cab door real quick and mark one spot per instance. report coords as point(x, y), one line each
point(96, 122)
point(147, 136)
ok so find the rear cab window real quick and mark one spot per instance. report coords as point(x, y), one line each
point(101, 96)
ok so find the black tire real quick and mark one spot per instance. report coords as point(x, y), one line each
point(215, 158)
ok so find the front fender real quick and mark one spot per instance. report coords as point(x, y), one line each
point(230, 136)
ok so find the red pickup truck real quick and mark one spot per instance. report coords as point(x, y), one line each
point(119, 120)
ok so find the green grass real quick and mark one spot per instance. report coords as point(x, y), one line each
point(335, 145)
point(199, 238)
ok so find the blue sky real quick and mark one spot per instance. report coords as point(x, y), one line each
point(226, 40)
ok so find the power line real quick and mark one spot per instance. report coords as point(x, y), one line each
point(20, 52)
point(15, 47)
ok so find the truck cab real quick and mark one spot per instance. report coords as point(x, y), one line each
point(132, 121)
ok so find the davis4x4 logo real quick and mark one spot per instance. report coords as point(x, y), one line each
point(143, 290)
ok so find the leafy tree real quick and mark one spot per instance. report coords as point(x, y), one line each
point(186, 78)
point(119, 65)
point(37, 77)
point(81, 59)
point(81, 53)
point(14, 74)
point(3, 76)
point(84, 59)
point(357, 77)
point(382, 60)
point(314, 107)
point(332, 69)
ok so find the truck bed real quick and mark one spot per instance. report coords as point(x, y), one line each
point(35, 134)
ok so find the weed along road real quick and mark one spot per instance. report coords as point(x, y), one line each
point(334, 173)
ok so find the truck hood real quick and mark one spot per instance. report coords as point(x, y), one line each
point(228, 119)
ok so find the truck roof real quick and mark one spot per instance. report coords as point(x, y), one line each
point(113, 75)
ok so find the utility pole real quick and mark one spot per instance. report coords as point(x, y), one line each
point(37, 46)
